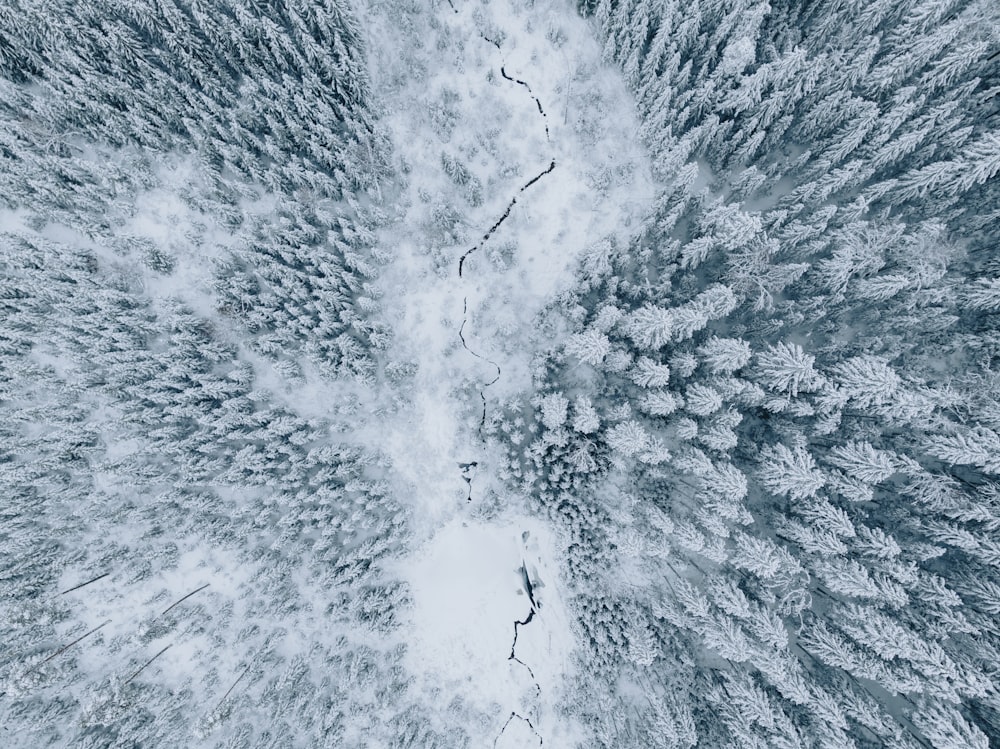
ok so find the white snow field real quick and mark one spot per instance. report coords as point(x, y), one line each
point(468, 592)
point(443, 76)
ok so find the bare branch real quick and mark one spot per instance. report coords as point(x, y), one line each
point(230, 690)
point(62, 650)
point(179, 601)
point(77, 587)
point(144, 665)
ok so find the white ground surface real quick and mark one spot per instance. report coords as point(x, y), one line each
point(443, 94)
point(468, 592)
point(601, 184)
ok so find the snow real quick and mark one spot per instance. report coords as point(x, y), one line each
point(133, 550)
point(159, 217)
point(136, 629)
point(444, 96)
point(517, 735)
point(468, 591)
point(601, 184)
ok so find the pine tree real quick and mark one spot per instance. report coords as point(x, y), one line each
point(790, 471)
point(787, 368)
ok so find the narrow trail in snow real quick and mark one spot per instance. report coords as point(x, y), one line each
point(469, 468)
point(489, 232)
point(506, 213)
point(541, 110)
point(465, 345)
point(469, 473)
point(496, 225)
point(547, 170)
point(513, 646)
point(524, 720)
point(518, 623)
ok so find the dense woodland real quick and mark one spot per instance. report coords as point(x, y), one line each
point(778, 417)
point(134, 433)
point(767, 425)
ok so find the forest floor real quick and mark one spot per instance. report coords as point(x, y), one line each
point(480, 100)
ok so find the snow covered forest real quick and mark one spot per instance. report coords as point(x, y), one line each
point(465, 373)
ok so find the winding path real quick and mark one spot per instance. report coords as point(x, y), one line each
point(467, 468)
point(496, 225)
point(506, 213)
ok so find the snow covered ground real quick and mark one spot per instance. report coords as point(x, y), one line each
point(469, 139)
point(445, 98)
point(469, 590)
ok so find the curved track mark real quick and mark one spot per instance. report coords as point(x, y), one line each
point(505, 216)
point(467, 467)
point(522, 719)
point(541, 111)
point(465, 345)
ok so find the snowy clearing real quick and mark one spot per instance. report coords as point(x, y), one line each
point(518, 98)
point(468, 589)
